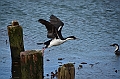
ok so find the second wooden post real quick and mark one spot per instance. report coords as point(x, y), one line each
point(31, 64)
point(67, 71)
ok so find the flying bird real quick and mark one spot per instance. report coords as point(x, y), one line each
point(54, 28)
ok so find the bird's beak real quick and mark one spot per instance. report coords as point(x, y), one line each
point(77, 39)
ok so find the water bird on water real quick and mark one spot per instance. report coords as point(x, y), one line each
point(54, 28)
point(117, 52)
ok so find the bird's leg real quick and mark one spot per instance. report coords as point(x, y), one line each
point(43, 51)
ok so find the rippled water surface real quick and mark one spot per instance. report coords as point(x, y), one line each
point(95, 22)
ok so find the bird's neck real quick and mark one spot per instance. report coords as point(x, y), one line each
point(117, 48)
point(69, 39)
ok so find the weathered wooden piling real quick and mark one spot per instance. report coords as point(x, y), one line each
point(15, 33)
point(67, 71)
point(31, 64)
point(16, 69)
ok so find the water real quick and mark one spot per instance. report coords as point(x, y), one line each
point(95, 22)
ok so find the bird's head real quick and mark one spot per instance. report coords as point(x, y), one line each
point(71, 38)
point(114, 44)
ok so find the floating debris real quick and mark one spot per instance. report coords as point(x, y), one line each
point(97, 63)
point(53, 75)
point(60, 65)
point(91, 65)
point(80, 66)
point(83, 63)
point(56, 73)
point(6, 42)
point(73, 62)
point(60, 62)
point(47, 74)
point(61, 58)
point(47, 60)
point(116, 71)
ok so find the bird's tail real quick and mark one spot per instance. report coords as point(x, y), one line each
point(39, 43)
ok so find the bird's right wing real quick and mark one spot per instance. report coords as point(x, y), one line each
point(58, 24)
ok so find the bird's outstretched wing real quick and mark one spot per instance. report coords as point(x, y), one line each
point(56, 21)
point(50, 28)
point(53, 27)
point(58, 24)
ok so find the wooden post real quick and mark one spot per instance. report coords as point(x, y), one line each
point(31, 64)
point(67, 71)
point(16, 69)
point(15, 33)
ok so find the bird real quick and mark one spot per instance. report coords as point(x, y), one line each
point(117, 52)
point(54, 27)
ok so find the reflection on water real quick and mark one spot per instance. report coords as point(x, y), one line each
point(95, 22)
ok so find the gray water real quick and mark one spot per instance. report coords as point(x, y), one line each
point(95, 22)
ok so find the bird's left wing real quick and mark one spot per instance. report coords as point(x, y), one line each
point(50, 28)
